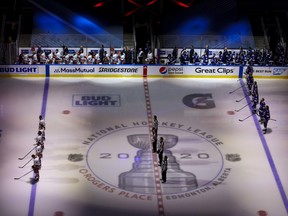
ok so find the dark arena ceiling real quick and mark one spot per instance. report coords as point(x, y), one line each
point(143, 8)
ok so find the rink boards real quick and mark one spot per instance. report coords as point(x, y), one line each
point(152, 71)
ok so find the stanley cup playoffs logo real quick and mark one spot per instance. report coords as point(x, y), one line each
point(120, 158)
point(140, 178)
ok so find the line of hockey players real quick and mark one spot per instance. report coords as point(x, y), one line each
point(79, 57)
point(242, 56)
point(38, 151)
point(159, 149)
point(39, 148)
point(263, 111)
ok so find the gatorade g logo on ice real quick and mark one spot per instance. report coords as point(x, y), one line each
point(199, 101)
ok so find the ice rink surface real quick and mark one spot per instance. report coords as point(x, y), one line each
point(98, 161)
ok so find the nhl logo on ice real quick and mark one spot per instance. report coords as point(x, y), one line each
point(96, 100)
point(126, 144)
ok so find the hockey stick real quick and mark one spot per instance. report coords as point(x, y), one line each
point(26, 154)
point(23, 175)
point(241, 120)
point(242, 98)
point(25, 164)
point(242, 107)
point(273, 119)
point(236, 89)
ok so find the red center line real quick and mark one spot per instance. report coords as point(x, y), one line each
point(154, 156)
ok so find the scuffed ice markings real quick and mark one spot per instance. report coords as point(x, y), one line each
point(233, 157)
point(75, 157)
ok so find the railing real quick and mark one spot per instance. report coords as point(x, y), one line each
point(70, 40)
point(166, 41)
point(214, 41)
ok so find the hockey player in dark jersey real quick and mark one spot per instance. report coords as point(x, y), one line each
point(255, 101)
point(255, 87)
point(155, 124)
point(266, 117)
point(220, 58)
point(262, 105)
point(184, 57)
point(171, 60)
point(249, 69)
point(160, 151)
point(213, 60)
point(196, 58)
point(205, 59)
point(154, 141)
point(164, 168)
point(250, 81)
point(225, 56)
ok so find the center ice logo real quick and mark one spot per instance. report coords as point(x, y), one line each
point(96, 101)
point(119, 161)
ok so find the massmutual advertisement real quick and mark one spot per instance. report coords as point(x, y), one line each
point(96, 70)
